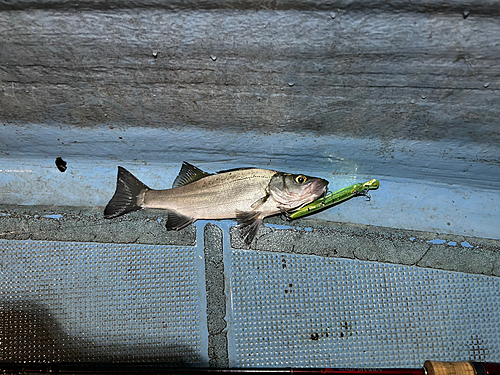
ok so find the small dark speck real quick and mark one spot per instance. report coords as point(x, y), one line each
point(341, 334)
point(284, 266)
point(448, 224)
point(466, 14)
point(61, 164)
point(290, 285)
point(315, 336)
point(286, 291)
point(120, 137)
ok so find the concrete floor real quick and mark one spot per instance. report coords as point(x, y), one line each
point(405, 92)
point(60, 256)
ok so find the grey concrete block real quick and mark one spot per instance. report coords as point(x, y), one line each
point(479, 259)
point(379, 244)
point(216, 298)
point(88, 225)
point(217, 351)
point(170, 66)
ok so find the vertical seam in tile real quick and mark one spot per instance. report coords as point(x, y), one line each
point(216, 299)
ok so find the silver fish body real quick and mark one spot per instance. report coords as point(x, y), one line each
point(248, 195)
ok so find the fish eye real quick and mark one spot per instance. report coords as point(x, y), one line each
point(300, 179)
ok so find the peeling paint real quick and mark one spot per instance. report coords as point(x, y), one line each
point(277, 226)
point(54, 216)
point(437, 242)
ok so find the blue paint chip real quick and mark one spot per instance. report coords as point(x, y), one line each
point(56, 216)
point(159, 220)
point(452, 243)
point(4, 214)
point(308, 229)
point(437, 241)
point(277, 226)
point(412, 239)
point(466, 244)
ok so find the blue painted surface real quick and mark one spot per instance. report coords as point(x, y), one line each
point(56, 217)
point(437, 241)
point(335, 157)
point(421, 189)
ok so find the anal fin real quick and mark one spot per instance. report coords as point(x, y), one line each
point(177, 221)
point(249, 224)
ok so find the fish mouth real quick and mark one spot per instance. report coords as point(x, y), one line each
point(318, 188)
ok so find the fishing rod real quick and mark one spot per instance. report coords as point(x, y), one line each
point(429, 368)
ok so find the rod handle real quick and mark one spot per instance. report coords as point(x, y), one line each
point(449, 368)
point(461, 368)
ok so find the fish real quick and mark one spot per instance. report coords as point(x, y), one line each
point(246, 194)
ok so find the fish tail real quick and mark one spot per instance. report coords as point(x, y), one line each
point(128, 188)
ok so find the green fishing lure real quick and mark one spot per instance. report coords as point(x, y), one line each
point(336, 197)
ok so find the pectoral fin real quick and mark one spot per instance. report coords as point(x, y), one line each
point(176, 221)
point(285, 213)
point(249, 224)
point(260, 202)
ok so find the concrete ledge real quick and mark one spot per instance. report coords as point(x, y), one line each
point(316, 237)
point(363, 242)
point(88, 225)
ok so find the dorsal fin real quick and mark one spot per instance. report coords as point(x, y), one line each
point(189, 173)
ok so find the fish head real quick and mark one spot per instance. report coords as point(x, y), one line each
point(292, 191)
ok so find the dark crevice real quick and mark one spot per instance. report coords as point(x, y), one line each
point(462, 8)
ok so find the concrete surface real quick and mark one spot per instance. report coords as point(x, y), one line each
point(413, 84)
point(305, 237)
point(216, 297)
point(406, 92)
point(302, 236)
point(405, 203)
point(422, 71)
point(88, 225)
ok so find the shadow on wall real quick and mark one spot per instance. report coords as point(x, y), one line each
point(29, 333)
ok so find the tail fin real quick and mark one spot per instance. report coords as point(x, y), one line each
point(128, 188)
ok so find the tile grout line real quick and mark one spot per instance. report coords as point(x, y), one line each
point(216, 299)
